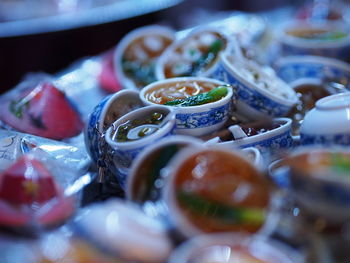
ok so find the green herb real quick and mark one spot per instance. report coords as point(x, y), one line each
point(340, 163)
point(203, 98)
point(143, 74)
point(325, 36)
point(16, 108)
point(233, 215)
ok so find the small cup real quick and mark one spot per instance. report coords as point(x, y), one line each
point(104, 114)
point(270, 143)
point(186, 57)
point(194, 120)
point(319, 39)
point(311, 68)
point(144, 45)
point(123, 153)
point(199, 189)
point(233, 247)
point(328, 123)
point(268, 97)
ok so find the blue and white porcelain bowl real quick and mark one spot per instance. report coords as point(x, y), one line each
point(318, 39)
point(194, 120)
point(104, 114)
point(124, 152)
point(272, 143)
point(306, 68)
point(265, 96)
point(328, 123)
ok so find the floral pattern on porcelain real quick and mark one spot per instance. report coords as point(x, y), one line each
point(92, 136)
point(249, 96)
point(329, 139)
point(272, 146)
point(295, 71)
point(203, 119)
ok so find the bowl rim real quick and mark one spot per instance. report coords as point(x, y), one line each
point(287, 39)
point(326, 61)
point(184, 225)
point(143, 141)
point(188, 79)
point(142, 157)
point(292, 98)
point(127, 40)
point(321, 104)
point(231, 44)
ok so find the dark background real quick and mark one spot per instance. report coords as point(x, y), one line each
point(51, 52)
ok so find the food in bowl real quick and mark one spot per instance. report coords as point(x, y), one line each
point(137, 54)
point(193, 56)
point(317, 34)
point(188, 93)
point(217, 190)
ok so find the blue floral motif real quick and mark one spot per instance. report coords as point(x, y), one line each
point(251, 97)
point(294, 71)
point(273, 145)
point(329, 139)
point(202, 119)
point(92, 136)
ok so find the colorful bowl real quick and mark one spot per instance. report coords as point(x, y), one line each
point(191, 120)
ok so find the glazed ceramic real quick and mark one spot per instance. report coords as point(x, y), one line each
point(103, 115)
point(328, 123)
point(292, 45)
point(142, 32)
point(196, 120)
point(306, 68)
point(254, 102)
point(123, 153)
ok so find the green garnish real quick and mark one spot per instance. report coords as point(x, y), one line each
point(208, 208)
point(142, 74)
point(340, 163)
point(203, 98)
point(325, 36)
point(17, 107)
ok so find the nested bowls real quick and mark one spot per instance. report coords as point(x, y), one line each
point(215, 190)
point(134, 131)
point(259, 94)
point(193, 120)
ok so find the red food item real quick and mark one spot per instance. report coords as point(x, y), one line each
point(107, 78)
point(27, 181)
point(29, 195)
point(44, 111)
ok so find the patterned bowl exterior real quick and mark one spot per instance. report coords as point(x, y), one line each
point(311, 67)
point(325, 139)
point(249, 97)
point(91, 133)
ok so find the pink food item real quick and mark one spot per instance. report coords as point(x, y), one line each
point(30, 195)
point(107, 78)
point(44, 111)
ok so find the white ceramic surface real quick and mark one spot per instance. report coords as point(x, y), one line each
point(196, 120)
point(152, 30)
point(328, 122)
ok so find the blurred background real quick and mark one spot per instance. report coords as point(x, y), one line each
point(48, 35)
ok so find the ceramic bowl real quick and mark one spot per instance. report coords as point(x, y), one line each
point(137, 53)
point(328, 123)
point(199, 189)
point(305, 68)
point(266, 98)
point(124, 152)
point(194, 120)
point(319, 181)
point(124, 230)
point(196, 54)
point(147, 175)
point(229, 248)
point(319, 39)
point(104, 114)
point(271, 143)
